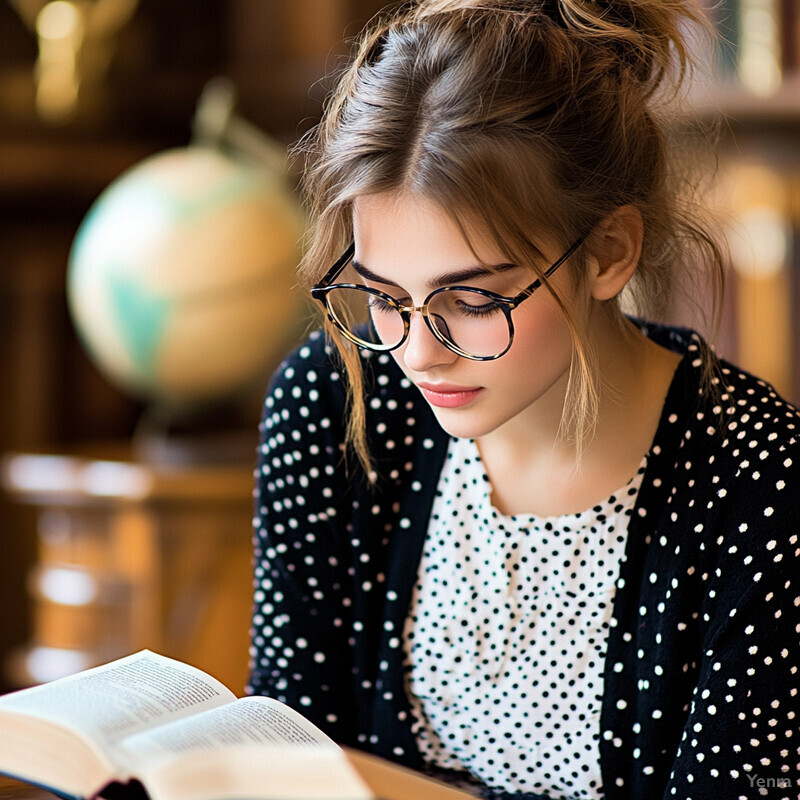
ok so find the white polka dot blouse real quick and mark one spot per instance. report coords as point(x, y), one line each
point(647, 649)
point(507, 631)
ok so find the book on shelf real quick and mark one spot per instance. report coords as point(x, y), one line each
point(790, 34)
point(762, 279)
point(724, 14)
point(148, 725)
point(759, 41)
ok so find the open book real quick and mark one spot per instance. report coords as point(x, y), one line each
point(150, 721)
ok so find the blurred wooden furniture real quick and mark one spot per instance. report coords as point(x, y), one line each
point(274, 51)
point(134, 555)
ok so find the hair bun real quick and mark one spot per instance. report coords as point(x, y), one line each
point(648, 37)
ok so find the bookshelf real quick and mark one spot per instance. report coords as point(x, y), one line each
point(754, 93)
point(740, 105)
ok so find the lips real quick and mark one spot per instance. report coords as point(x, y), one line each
point(444, 395)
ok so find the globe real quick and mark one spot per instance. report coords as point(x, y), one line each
point(180, 277)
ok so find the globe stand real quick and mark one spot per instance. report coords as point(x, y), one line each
point(216, 434)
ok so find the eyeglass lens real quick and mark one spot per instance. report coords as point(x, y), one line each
point(470, 321)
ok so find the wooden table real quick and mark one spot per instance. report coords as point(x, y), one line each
point(10, 788)
point(16, 790)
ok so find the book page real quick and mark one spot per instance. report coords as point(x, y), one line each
point(248, 721)
point(115, 700)
point(287, 772)
point(279, 772)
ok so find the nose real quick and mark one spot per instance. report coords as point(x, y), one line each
point(422, 350)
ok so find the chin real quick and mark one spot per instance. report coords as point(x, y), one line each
point(464, 428)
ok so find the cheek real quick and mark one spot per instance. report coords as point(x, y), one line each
point(541, 336)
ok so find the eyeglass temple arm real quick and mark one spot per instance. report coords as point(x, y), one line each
point(337, 267)
point(528, 290)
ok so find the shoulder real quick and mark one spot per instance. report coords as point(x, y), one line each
point(728, 445)
point(718, 408)
point(309, 391)
point(303, 408)
point(306, 374)
point(314, 371)
point(738, 424)
point(757, 449)
point(755, 417)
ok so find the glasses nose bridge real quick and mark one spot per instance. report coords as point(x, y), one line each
point(423, 309)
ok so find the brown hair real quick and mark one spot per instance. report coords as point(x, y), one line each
point(520, 117)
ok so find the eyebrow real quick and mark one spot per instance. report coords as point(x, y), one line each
point(445, 279)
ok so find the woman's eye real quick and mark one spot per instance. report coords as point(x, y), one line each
point(379, 304)
point(477, 307)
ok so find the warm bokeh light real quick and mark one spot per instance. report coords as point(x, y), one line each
point(760, 49)
point(58, 20)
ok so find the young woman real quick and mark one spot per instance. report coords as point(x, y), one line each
point(504, 530)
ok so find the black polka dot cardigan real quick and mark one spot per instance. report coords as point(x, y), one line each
point(700, 687)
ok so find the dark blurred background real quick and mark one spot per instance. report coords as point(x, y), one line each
point(276, 54)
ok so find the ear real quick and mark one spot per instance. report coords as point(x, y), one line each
point(615, 246)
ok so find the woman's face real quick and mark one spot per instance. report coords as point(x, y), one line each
point(413, 247)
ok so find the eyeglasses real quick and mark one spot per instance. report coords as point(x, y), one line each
point(474, 323)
